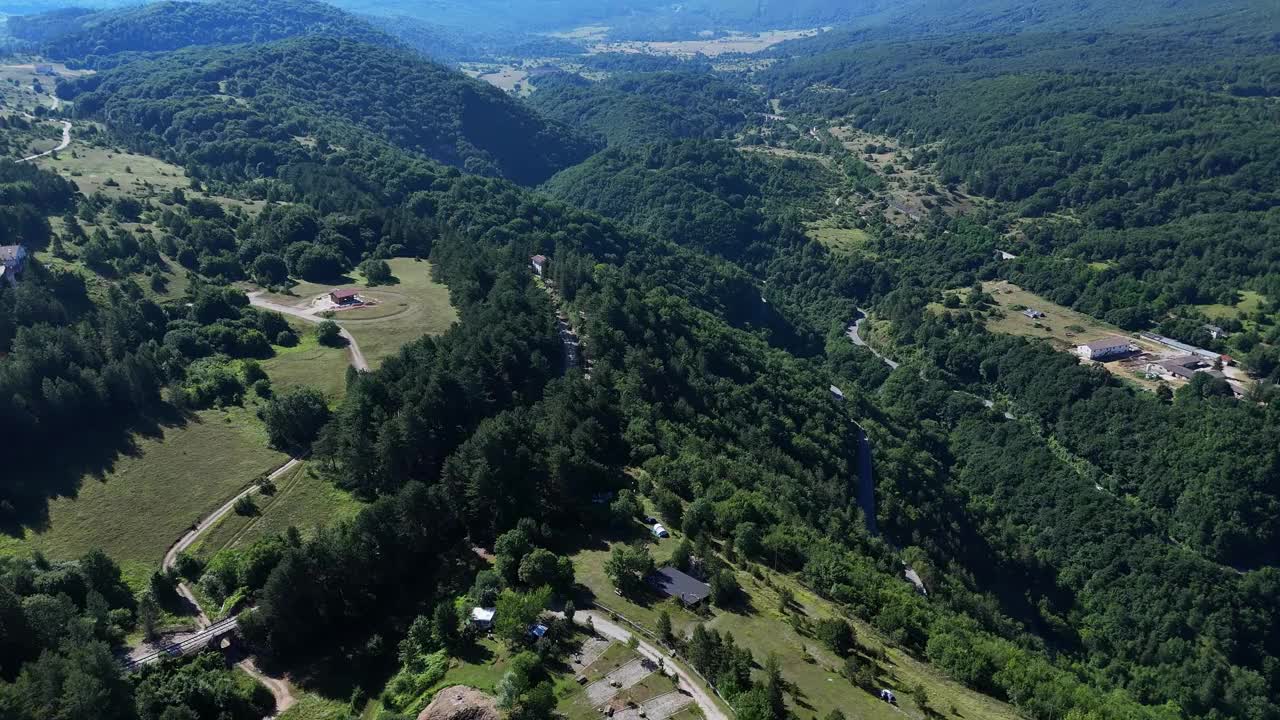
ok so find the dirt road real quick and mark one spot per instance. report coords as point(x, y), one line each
point(186, 541)
point(66, 140)
point(280, 689)
point(310, 315)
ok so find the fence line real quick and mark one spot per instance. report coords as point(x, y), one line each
point(674, 653)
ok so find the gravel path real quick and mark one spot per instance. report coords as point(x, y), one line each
point(353, 348)
point(66, 140)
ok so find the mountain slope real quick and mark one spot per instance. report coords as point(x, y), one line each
point(413, 103)
point(170, 25)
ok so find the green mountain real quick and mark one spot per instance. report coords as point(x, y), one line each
point(84, 37)
point(413, 103)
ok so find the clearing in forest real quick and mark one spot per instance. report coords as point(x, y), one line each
point(308, 363)
point(401, 312)
point(149, 498)
point(760, 626)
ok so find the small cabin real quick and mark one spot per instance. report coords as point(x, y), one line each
point(539, 263)
point(345, 296)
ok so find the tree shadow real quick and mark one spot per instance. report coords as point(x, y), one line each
point(36, 478)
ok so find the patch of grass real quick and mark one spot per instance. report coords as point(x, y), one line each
point(1057, 324)
point(302, 500)
point(308, 363)
point(613, 657)
point(481, 667)
point(314, 707)
point(841, 241)
point(588, 567)
point(143, 504)
point(135, 175)
point(1250, 302)
point(647, 689)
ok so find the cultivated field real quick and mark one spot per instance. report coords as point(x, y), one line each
point(711, 47)
point(143, 504)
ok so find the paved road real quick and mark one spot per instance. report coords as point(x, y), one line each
point(605, 626)
point(66, 140)
point(854, 334)
point(866, 483)
point(353, 349)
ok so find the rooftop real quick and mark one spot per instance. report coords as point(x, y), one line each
point(1108, 342)
point(344, 293)
point(673, 583)
point(9, 253)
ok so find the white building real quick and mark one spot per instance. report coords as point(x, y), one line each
point(1107, 347)
point(659, 531)
point(482, 617)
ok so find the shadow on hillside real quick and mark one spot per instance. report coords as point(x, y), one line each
point(35, 477)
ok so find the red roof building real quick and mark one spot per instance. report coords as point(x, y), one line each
point(345, 296)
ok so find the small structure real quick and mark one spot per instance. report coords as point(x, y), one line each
point(1215, 332)
point(1108, 347)
point(659, 531)
point(539, 263)
point(538, 630)
point(673, 583)
point(1033, 313)
point(1002, 255)
point(1187, 366)
point(482, 617)
point(345, 296)
point(13, 260)
point(836, 393)
point(887, 695)
point(1184, 347)
point(45, 69)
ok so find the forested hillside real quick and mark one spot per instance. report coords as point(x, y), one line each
point(89, 39)
point(1051, 538)
point(632, 109)
point(411, 102)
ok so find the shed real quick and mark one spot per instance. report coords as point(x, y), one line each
point(1033, 313)
point(659, 531)
point(836, 393)
point(673, 583)
point(539, 263)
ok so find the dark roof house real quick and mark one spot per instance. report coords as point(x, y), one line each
point(346, 295)
point(1187, 366)
point(673, 583)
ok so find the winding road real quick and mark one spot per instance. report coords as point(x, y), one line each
point(311, 315)
point(66, 140)
point(854, 335)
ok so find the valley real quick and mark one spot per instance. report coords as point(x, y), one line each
point(558, 361)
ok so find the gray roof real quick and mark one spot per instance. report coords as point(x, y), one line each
point(673, 583)
point(9, 253)
point(1108, 342)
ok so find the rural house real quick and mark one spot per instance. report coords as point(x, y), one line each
point(539, 263)
point(345, 296)
point(13, 259)
point(1107, 347)
point(482, 618)
point(1187, 366)
point(675, 584)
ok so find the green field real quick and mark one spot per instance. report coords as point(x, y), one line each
point(406, 310)
point(1250, 302)
point(814, 671)
point(425, 311)
point(308, 363)
point(149, 499)
point(302, 500)
point(1062, 326)
point(841, 241)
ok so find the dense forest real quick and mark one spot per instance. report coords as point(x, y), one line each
point(1090, 551)
point(88, 39)
point(413, 103)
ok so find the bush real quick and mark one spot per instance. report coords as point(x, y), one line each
point(377, 272)
point(294, 418)
point(287, 338)
point(837, 635)
point(329, 334)
point(246, 506)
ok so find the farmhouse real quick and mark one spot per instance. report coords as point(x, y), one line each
point(13, 259)
point(1107, 347)
point(1215, 332)
point(345, 296)
point(1187, 366)
point(539, 263)
point(673, 583)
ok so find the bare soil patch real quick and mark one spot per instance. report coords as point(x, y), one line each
point(460, 702)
